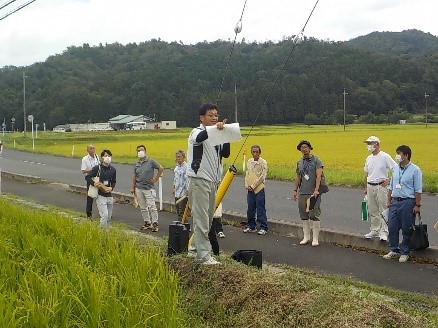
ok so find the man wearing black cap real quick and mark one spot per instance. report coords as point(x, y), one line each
point(306, 188)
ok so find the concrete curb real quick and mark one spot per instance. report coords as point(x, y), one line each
point(277, 226)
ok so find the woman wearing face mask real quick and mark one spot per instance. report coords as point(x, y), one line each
point(106, 183)
point(377, 166)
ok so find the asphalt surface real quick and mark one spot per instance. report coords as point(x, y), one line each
point(345, 262)
point(340, 206)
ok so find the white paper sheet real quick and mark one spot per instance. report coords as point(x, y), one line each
point(230, 133)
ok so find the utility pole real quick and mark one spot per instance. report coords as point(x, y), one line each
point(344, 93)
point(425, 98)
point(24, 102)
point(235, 103)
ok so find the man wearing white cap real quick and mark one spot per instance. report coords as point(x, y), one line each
point(377, 166)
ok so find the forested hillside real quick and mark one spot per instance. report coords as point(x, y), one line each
point(171, 80)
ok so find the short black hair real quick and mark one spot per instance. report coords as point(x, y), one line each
point(139, 146)
point(405, 150)
point(106, 151)
point(256, 146)
point(204, 108)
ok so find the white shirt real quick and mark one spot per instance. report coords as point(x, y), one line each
point(89, 162)
point(378, 166)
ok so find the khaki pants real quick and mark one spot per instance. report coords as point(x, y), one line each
point(377, 197)
point(302, 205)
point(202, 196)
point(146, 202)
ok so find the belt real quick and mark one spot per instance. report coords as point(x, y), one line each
point(399, 199)
point(375, 184)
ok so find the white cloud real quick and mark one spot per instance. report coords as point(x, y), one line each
point(48, 27)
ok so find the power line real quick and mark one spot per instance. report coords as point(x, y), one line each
point(7, 4)
point(237, 30)
point(15, 10)
point(297, 40)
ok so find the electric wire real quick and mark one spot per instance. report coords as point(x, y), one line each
point(236, 31)
point(296, 41)
point(7, 4)
point(17, 9)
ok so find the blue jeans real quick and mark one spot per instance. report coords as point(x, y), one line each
point(400, 216)
point(256, 202)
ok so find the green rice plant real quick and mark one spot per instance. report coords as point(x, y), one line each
point(342, 152)
point(59, 273)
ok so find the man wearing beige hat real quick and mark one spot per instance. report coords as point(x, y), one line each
point(377, 166)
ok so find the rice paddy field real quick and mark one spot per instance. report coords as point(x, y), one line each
point(60, 270)
point(342, 152)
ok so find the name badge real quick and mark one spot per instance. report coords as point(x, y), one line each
point(398, 186)
point(306, 177)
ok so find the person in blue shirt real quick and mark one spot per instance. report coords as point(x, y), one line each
point(404, 202)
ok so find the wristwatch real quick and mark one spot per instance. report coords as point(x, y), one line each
point(418, 205)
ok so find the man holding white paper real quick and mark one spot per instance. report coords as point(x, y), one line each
point(204, 174)
point(255, 185)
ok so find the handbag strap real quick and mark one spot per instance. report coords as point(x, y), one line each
point(418, 215)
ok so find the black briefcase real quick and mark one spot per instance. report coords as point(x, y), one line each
point(178, 238)
point(249, 257)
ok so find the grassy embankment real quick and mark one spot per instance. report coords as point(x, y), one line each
point(343, 153)
point(57, 272)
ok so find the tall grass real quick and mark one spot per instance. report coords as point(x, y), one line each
point(58, 273)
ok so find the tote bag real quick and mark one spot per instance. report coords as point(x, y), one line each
point(419, 238)
point(93, 191)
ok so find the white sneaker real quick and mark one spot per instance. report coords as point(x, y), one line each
point(220, 234)
point(371, 234)
point(262, 232)
point(391, 255)
point(211, 261)
point(249, 230)
point(383, 236)
point(403, 258)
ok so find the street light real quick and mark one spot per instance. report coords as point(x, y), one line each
point(344, 93)
point(425, 98)
point(24, 102)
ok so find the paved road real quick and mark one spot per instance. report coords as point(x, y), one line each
point(345, 262)
point(340, 207)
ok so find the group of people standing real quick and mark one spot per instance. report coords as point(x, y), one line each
point(396, 186)
point(393, 185)
point(101, 174)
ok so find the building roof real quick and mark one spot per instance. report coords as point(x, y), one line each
point(123, 119)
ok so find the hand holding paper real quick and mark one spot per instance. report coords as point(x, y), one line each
point(229, 133)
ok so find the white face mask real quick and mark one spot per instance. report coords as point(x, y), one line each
point(398, 158)
point(141, 154)
point(371, 148)
point(107, 159)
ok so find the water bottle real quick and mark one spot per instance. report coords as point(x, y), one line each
point(364, 209)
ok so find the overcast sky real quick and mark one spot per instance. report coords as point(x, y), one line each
point(48, 27)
